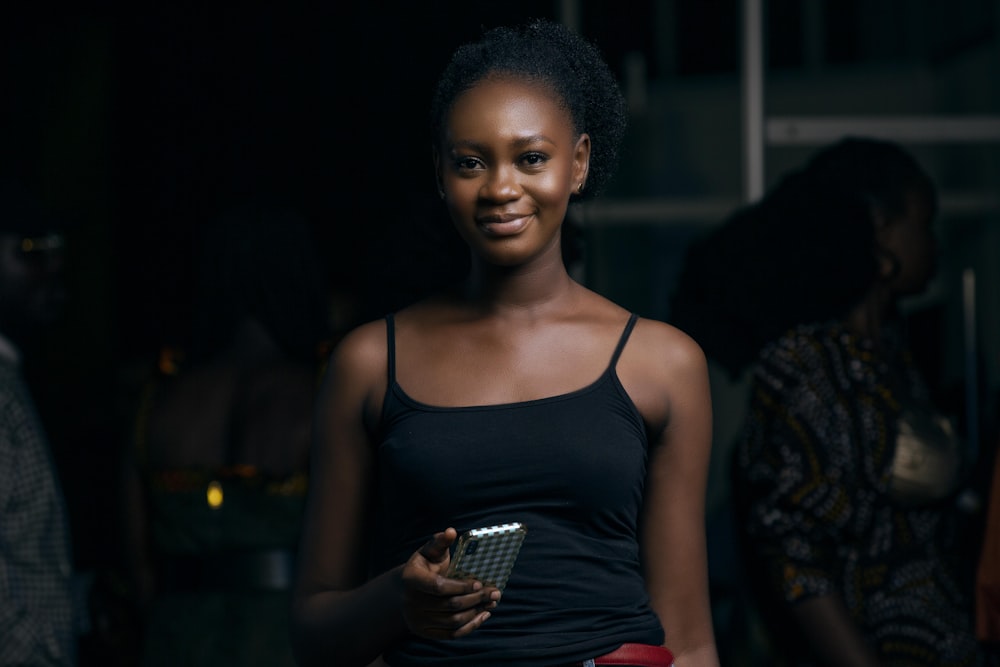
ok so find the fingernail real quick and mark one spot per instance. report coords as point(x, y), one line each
point(477, 586)
point(486, 615)
point(495, 595)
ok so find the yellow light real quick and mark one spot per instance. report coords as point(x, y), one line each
point(214, 494)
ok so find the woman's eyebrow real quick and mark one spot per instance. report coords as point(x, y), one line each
point(519, 142)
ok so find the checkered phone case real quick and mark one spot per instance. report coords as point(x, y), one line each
point(487, 554)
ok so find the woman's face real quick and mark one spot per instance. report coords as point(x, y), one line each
point(508, 162)
point(909, 239)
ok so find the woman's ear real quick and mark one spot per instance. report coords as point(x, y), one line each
point(581, 163)
point(888, 264)
point(436, 158)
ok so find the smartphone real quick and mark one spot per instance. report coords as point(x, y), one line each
point(487, 554)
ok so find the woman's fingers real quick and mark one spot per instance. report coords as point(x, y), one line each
point(436, 550)
point(440, 623)
point(467, 628)
point(437, 606)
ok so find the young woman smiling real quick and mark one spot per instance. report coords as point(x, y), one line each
point(518, 396)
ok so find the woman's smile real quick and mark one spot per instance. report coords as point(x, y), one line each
point(504, 224)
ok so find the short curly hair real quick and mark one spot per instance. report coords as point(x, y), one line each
point(569, 65)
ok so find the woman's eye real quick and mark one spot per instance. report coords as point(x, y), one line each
point(467, 163)
point(533, 159)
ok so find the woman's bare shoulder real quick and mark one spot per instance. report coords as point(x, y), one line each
point(657, 340)
point(361, 353)
point(665, 373)
point(660, 366)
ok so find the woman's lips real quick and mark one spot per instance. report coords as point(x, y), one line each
point(504, 225)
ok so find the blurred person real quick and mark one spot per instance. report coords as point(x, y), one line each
point(38, 616)
point(217, 477)
point(845, 476)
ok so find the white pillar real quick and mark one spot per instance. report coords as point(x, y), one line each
point(752, 80)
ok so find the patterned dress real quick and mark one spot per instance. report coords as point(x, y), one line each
point(822, 511)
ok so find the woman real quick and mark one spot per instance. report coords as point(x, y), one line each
point(216, 482)
point(518, 395)
point(845, 475)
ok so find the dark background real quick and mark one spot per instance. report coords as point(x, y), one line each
point(142, 124)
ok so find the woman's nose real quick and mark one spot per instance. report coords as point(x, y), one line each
point(501, 184)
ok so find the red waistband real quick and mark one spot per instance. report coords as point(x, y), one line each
point(637, 655)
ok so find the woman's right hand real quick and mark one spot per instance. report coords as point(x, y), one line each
point(435, 606)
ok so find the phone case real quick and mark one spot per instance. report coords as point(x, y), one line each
point(487, 554)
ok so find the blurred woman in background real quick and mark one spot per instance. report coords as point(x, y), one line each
point(216, 480)
point(845, 474)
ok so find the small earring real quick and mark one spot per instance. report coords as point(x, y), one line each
point(579, 188)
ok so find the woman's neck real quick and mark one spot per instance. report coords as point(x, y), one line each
point(870, 317)
point(529, 289)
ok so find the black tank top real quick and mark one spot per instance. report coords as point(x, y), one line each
point(571, 468)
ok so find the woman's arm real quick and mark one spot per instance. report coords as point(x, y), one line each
point(677, 407)
point(339, 616)
point(333, 614)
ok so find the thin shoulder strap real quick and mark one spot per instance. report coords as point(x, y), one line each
point(390, 340)
point(624, 339)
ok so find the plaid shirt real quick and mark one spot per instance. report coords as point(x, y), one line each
point(37, 625)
